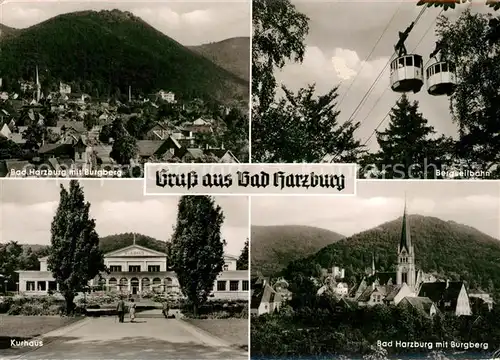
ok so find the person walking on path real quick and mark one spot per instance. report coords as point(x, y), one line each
point(166, 309)
point(132, 310)
point(120, 309)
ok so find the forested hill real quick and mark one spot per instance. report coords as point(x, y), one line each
point(442, 247)
point(105, 52)
point(113, 242)
point(231, 54)
point(274, 247)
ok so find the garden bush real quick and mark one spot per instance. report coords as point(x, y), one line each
point(218, 309)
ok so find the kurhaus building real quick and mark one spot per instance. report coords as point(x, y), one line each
point(135, 270)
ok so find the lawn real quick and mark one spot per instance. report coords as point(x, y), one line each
point(30, 326)
point(233, 331)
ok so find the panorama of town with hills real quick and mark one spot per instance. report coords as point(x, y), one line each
point(120, 104)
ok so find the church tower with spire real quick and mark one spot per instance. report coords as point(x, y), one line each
point(406, 272)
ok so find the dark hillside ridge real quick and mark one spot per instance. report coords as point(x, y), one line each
point(105, 52)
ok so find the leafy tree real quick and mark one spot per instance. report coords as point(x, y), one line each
point(10, 255)
point(197, 247)
point(124, 149)
point(279, 31)
point(135, 126)
point(475, 105)
point(90, 121)
point(105, 134)
point(451, 4)
point(34, 135)
point(242, 263)
point(300, 127)
point(309, 129)
point(117, 129)
point(408, 147)
point(9, 149)
point(75, 257)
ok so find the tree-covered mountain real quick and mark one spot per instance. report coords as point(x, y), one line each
point(274, 247)
point(444, 248)
point(103, 53)
point(231, 54)
point(111, 243)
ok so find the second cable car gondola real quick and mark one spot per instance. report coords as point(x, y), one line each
point(407, 73)
point(440, 78)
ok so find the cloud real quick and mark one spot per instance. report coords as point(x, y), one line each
point(155, 217)
point(379, 202)
point(352, 54)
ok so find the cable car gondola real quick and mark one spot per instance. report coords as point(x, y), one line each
point(407, 73)
point(440, 79)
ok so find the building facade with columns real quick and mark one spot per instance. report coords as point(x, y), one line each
point(138, 270)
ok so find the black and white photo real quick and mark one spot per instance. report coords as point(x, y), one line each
point(407, 91)
point(403, 270)
point(98, 88)
point(94, 269)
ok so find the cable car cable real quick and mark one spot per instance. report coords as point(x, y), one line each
point(378, 100)
point(370, 54)
point(363, 99)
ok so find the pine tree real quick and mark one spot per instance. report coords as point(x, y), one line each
point(242, 263)
point(75, 257)
point(408, 147)
point(197, 247)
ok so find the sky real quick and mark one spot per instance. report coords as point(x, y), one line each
point(343, 34)
point(476, 204)
point(27, 208)
point(188, 22)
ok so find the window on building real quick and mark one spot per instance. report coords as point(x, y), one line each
point(134, 268)
point(244, 285)
point(226, 267)
point(404, 278)
point(234, 285)
point(221, 286)
point(115, 268)
point(41, 286)
point(30, 286)
point(153, 268)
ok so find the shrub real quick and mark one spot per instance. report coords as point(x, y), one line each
point(5, 304)
point(218, 309)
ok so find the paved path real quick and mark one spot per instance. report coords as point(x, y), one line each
point(148, 338)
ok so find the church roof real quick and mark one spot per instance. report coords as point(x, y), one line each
point(262, 294)
point(405, 242)
point(393, 291)
point(442, 291)
point(383, 278)
point(423, 304)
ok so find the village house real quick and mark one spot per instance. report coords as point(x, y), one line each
point(449, 296)
point(167, 96)
point(424, 305)
point(64, 89)
point(264, 299)
point(481, 299)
